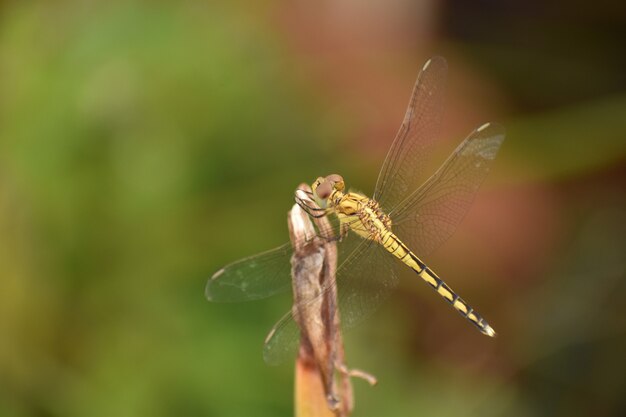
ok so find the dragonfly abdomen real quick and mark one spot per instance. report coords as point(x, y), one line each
point(398, 249)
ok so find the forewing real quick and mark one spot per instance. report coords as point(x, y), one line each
point(412, 145)
point(364, 280)
point(252, 278)
point(430, 215)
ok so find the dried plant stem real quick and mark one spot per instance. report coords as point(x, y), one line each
point(310, 395)
point(323, 387)
point(314, 263)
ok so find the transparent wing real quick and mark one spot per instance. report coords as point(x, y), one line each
point(364, 280)
point(282, 341)
point(412, 145)
point(252, 278)
point(430, 215)
point(258, 276)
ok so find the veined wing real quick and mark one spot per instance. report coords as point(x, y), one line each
point(364, 280)
point(429, 216)
point(413, 142)
point(256, 277)
point(252, 278)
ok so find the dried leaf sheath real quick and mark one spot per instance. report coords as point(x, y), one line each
point(314, 263)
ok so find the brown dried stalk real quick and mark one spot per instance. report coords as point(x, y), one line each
point(321, 354)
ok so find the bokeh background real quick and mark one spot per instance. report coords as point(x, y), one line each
point(143, 145)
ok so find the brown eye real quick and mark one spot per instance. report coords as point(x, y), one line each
point(334, 178)
point(323, 190)
point(337, 181)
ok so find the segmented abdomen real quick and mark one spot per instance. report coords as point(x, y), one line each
point(402, 252)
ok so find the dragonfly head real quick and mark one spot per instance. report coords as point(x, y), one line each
point(324, 187)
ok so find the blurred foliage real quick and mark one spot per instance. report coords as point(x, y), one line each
point(583, 138)
point(145, 144)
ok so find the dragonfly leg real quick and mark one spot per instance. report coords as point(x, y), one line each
point(357, 373)
point(313, 211)
point(343, 230)
point(309, 193)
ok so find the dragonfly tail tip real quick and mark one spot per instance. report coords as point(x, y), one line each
point(488, 330)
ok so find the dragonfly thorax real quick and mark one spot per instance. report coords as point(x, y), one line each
point(361, 214)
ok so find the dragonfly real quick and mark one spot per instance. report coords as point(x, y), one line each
point(404, 221)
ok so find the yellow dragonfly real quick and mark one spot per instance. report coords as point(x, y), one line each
point(402, 222)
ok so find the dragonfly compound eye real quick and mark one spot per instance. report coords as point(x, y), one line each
point(337, 181)
point(324, 189)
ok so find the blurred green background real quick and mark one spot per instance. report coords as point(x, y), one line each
point(143, 145)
